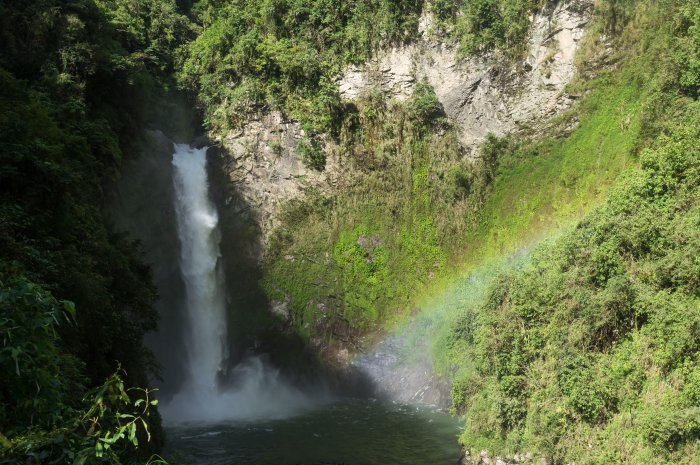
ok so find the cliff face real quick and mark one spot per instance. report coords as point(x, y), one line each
point(479, 95)
point(482, 95)
point(265, 168)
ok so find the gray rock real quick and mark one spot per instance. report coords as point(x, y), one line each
point(478, 94)
point(201, 141)
point(263, 162)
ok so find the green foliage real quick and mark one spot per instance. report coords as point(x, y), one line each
point(542, 185)
point(573, 329)
point(586, 349)
point(424, 106)
point(79, 81)
point(348, 260)
point(284, 54)
point(151, 31)
point(42, 414)
point(105, 431)
point(615, 13)
point(312, 154)
point(687, 50)
point(480, 26)
point(363, 261)
point(40, 380)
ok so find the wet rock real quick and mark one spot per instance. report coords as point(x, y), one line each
point(484, 458)
point(281, 309)
point(263, 162)
point(201, 141)
point(401, 378)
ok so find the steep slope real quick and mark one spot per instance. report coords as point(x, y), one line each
point(369, 194)
point(408, 122)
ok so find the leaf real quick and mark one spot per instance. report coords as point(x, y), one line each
point(132, 431)
point(145, 426)
point(15, 356)
point(4, 442)
point(69, 308)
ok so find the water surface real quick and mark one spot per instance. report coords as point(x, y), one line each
point(351, 432)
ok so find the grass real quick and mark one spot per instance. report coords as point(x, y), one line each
point(571, 349)
point(587, 350)
point(544, 186)
point(439, 216)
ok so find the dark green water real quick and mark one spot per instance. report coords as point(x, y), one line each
point(352, 432)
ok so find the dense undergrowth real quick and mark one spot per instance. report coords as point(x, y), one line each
point(79, 81)
point(483, 25)
point(588, 351)
point(348, 260)
point(354, 259)
point(285, 54)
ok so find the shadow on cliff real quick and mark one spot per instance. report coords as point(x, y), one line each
point(142, 205)
point(253, 328)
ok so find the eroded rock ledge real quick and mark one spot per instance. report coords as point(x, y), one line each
point(483, 458)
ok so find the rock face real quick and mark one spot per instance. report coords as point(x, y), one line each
point(403, 378)
point(477, 94)
point(483, 458)
point(263, 162)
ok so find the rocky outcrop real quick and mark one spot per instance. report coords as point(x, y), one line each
point(483, 458)
point(401, 378)
point(263, 162)
point(480, 94)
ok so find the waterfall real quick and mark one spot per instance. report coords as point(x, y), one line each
point(258, 390)
point(197, 227)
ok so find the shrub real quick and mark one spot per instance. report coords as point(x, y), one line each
point(312, 155)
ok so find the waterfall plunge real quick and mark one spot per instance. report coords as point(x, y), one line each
point(197, 225)
point(258, 391)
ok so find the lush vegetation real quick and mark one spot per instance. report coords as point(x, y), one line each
point(284, 54)
point(438, 211)
point(590, 352)
point(79, 80)
point(584, 350)
point(40, 409)
point(348, 260)
point(587, 351)
point(481, 26)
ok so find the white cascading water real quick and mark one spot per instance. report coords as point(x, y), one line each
point(197, 225)
point(259, 392)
